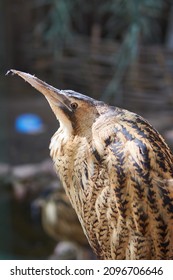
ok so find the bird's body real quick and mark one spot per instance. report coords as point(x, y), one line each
point(117, 172)
point(118, 186)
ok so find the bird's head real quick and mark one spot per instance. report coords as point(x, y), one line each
point(75, 112)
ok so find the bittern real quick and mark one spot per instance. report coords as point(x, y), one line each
point(117, 172)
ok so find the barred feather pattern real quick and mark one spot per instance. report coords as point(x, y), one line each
point(117, 172)
point(120, 184)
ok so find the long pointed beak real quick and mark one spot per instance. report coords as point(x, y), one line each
point(53, 95)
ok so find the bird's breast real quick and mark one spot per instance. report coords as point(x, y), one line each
point(73, 164)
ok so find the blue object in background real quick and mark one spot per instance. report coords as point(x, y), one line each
point(29, 124)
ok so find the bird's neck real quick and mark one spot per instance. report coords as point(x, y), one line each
point(70, 155)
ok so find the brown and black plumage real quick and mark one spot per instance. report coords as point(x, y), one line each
point(117, 172)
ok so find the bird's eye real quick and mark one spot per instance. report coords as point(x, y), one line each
point(74, 105)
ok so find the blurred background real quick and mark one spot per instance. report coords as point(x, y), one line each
point(118, 51)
